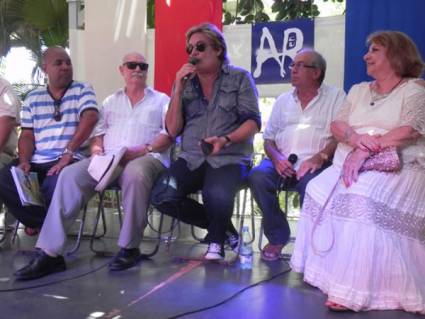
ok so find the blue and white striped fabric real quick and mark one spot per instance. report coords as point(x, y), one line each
point(52, 137)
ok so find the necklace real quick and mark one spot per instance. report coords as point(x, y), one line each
point(375, 96)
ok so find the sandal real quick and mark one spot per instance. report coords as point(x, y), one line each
point(335, 306)
point(31, 231)
point(271, 252)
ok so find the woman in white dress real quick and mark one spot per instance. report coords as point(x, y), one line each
point(361, 235)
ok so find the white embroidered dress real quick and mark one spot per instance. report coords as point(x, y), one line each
point(367, 251)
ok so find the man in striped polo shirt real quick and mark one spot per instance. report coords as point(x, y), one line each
point(56, 122)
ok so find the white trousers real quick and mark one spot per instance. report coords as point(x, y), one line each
point(74, 189)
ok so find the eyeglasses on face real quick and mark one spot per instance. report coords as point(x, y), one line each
point(57, 115)
point(200, 47)
point(301, 65)
point(133, 65)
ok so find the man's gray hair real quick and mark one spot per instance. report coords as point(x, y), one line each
point(318, 62)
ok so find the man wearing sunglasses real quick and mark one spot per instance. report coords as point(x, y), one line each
point(214, 108)
point(56, 121)
point(132, 117)
point(299, 124)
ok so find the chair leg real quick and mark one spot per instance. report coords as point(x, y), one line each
point(118, 201)
point(158, 238)
point(252, 218)
point(100, 212)
point(4, 230)
point(242, 217)
point(80, 233)
point(260, 237)
point(170, 239)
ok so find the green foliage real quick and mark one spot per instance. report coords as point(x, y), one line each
point(151, 14)
point(251, 11)
point(22, 90)
point(33, 24)
point(48, 18)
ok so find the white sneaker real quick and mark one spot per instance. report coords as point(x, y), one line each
point(215, 252)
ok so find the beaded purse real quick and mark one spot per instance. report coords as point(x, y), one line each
point(386, 160)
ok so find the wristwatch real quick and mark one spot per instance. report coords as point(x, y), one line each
point(149, 148)
point(227, 138)
point(67, 151)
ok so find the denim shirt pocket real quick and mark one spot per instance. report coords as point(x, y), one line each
point(191, 103)
point(227, 98)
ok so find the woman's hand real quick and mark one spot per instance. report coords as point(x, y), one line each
point(366, 142)
point(352, 164)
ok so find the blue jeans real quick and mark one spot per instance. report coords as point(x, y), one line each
point(264, 182)
point(219, 187)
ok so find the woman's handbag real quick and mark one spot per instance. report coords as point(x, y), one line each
point(386, 160)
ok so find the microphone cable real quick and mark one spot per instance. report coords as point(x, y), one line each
point(230, 297)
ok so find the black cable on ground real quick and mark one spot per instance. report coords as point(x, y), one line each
point(229, 298)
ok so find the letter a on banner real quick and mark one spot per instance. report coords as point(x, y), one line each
point(172, 20)
point(274, 46)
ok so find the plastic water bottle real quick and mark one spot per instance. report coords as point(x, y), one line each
point(245, 253)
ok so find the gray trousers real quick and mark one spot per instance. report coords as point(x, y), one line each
point(74, 189)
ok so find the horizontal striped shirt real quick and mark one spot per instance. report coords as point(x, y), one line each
point(51, 137)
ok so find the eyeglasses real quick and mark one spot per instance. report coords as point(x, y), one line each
point(57, 115)
point(200, 47)
point(133, 65)
point(301, 65)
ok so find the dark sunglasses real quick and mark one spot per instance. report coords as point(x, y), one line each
point(200, 47)
point(133, 65)
point(57, 116)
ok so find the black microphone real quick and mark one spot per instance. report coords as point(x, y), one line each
point(285, 182)
point(292, 158)
point(193, 61)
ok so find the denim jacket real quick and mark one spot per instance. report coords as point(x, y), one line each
point(233, 102)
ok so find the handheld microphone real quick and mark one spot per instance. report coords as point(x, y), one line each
point(193, 61)
point(285, 182)
point(292, 158)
